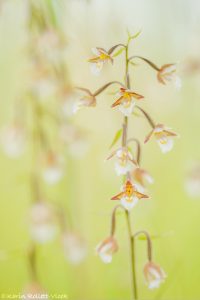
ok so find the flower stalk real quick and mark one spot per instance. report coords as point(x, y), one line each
point(124, 144)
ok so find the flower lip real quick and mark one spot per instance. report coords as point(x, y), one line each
point(107, 248)
point(129, 191)
point(154, 275)
point(97, 62)
point(123, 154)
point(126, 96)
point(160, 131)
point(86, 100)
point(100, 55)
point(168, 73)
point(124, 161)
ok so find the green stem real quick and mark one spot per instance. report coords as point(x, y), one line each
point(124, 144)
point(132, 257)
point(138, 148)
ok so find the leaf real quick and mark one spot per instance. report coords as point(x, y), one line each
point(131, 37)
point(143, 237)
point(130, 150)
point(156, 236)
point(119, 52)
point(136, 34)
point(116, 138)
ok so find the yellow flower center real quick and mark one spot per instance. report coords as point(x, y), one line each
point(103, 56)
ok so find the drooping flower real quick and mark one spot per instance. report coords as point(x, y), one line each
point(126, 101)
point(154, 275)
point(97, 62)
point(125, 161)
point(106, 249)
point(86, 100)
point(52, 167)
point(140, 176)
point(75, 248)
point(42, 223)
point(129, 196)
point(13, 140)
point(164, 137)
point(167, 73)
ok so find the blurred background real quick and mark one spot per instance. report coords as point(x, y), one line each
point(55, 184)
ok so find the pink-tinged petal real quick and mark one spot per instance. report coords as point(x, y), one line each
point(154, 275)
point(140, 195)
point(117, 102)
point(106, 249)
point(118, 196)
point(160, 78)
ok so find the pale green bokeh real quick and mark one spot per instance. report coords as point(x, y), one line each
point(170, 33)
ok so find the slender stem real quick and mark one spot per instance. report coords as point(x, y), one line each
point(147, 116)
point(132, 256)
point(84, 90)
point(113, 219)
point(138, 148)
point(101, 89)
point(124, 144)
point(150, 63)
point(149, 243)
point(110, 51)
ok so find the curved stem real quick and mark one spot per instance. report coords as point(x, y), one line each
point(101, 89)
point(113, 219)
point(138, 148)
point(84, 90)
point(150, 63)
point(149, 243)
point(110, 51)
point(149, 119)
